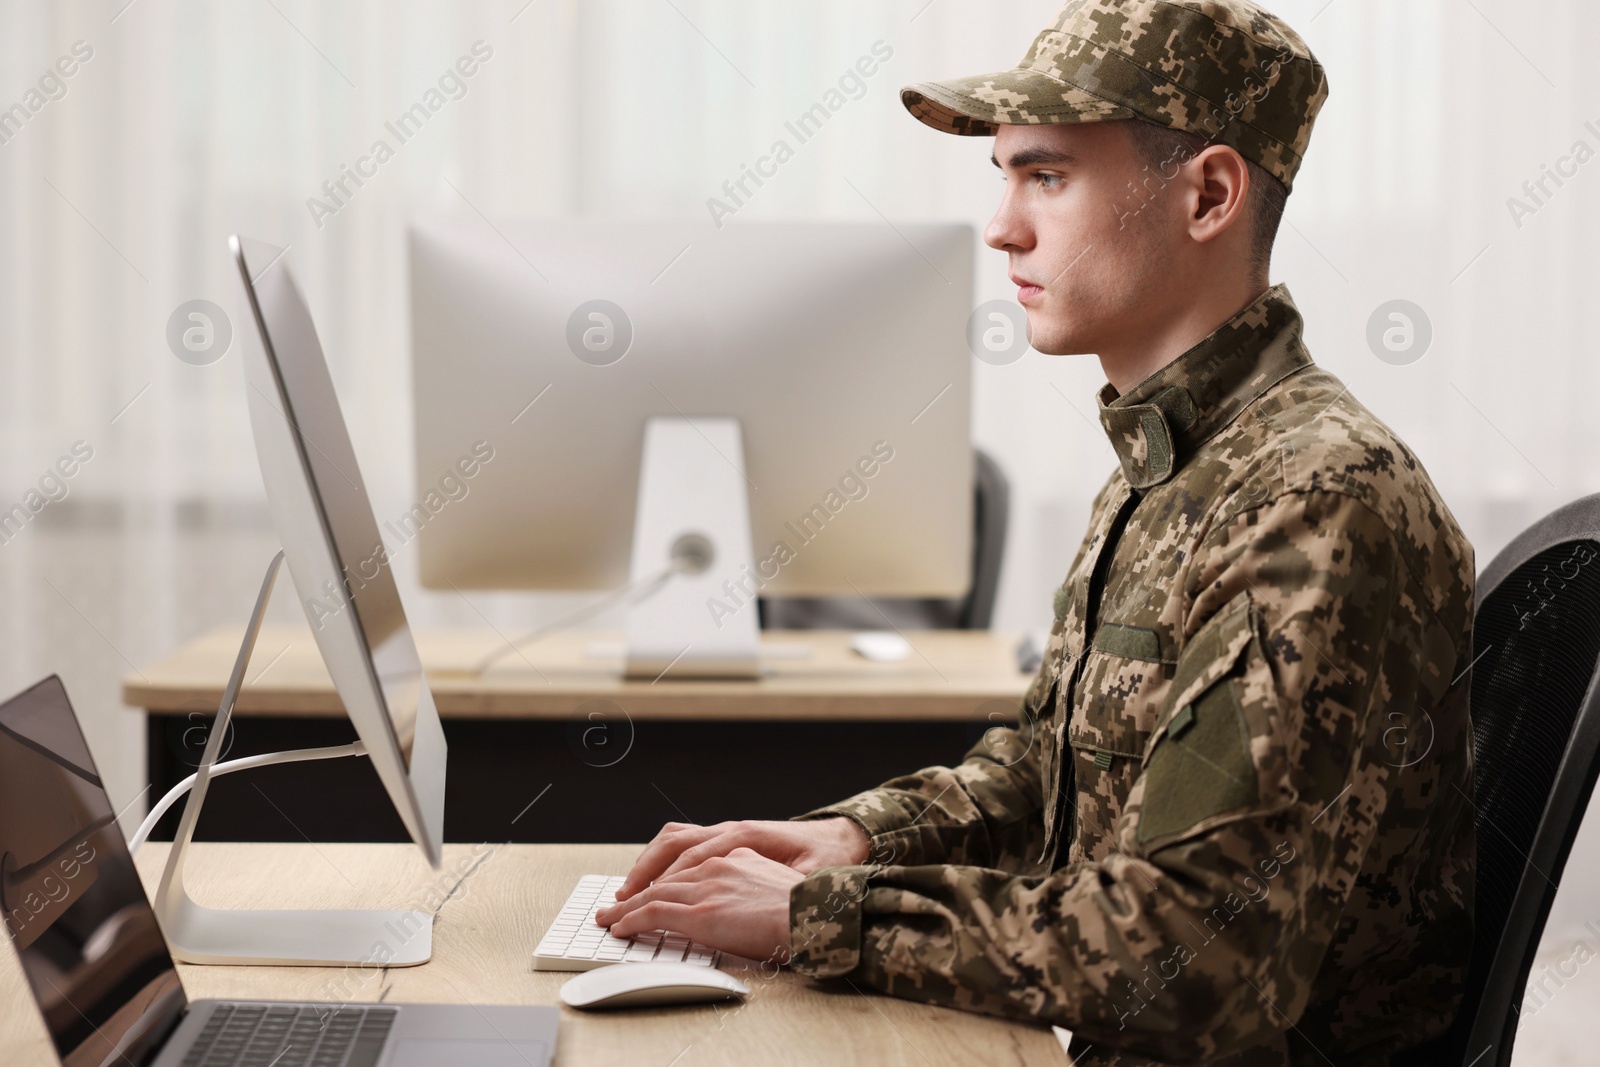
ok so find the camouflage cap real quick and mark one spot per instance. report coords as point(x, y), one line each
point(1223, 69)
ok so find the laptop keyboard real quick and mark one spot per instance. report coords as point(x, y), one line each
point(291, 1035)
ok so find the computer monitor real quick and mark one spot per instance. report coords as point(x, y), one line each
point(772, 409)
point(340, 569)
point(332, 546)
point(824, 340)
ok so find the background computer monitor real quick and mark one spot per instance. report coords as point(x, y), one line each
point(824, 340)
point(332, 546)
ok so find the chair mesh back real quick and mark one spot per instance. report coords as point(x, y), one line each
point(1538, 636)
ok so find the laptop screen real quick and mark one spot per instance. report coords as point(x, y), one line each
point(72, 902)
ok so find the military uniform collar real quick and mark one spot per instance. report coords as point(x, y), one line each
point(1160, 422)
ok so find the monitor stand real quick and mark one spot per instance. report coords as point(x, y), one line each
point(198, 934)
point(693, 519)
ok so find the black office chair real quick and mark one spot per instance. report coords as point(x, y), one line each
point(1536, 731)
point(991, 509)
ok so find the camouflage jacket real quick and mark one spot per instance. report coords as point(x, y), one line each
point(1233, 823)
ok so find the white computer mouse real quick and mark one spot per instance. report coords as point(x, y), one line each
point(882, 646)
point(640, 985)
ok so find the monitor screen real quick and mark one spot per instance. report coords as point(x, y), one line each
point(332, 546)
point(840, 347)
point(73, 904)
point(320, 500)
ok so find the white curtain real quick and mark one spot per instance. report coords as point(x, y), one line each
point(183, 122)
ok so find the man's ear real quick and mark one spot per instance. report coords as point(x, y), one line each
point(1219, 185)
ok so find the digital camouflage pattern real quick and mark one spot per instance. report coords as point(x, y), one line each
point(1232, 824)
point(1223, 69)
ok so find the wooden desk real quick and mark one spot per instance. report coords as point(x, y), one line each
point(626, 755)
point(483, 937)
point(950, 676)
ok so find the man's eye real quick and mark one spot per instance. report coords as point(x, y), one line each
point(1048, 181)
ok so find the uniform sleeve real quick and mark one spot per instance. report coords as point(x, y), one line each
point(987, 810)
point(1261, 786)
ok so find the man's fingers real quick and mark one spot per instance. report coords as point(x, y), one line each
point(654, 915)
point(720, 845)
point(660, 853)
point(671, 892)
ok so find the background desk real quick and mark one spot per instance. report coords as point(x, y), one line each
point(619, 758)
point(482, 940)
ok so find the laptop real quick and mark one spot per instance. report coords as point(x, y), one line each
point(100, 970)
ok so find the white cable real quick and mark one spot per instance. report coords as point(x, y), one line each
point(266, 759)
point(633, 593)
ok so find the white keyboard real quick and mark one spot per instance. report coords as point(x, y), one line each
point(575, 943)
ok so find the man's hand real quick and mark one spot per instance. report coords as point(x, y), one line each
point(738, 903)
point(804, 846)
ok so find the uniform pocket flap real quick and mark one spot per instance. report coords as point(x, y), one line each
point(1208, 657)
point(1201, 770)
point(1129, 642)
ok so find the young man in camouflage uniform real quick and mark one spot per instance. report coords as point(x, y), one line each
point(1233, 823)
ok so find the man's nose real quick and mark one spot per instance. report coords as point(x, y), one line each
point(1007, 230)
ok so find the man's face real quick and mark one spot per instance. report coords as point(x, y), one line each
point(1096, 255)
